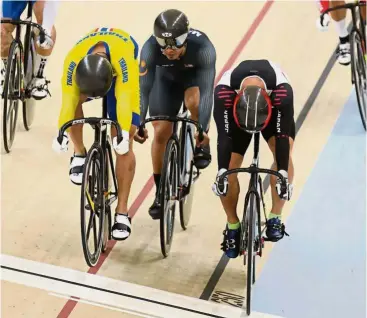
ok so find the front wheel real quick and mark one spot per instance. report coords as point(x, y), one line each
point(12, 89)
point(359, 72)
point(92, 207)
point(250, 249)
point(168, 196)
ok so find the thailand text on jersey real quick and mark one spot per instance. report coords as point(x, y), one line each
point(200, 55)
point(122, 51)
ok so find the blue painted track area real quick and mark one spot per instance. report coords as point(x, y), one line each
point(319, 271)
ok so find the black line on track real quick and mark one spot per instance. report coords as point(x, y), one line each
point(110, 291)
point(219, 269)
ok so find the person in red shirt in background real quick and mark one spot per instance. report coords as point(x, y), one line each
point(339, 18)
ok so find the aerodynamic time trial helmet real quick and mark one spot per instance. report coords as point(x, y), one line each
point(171, 28)
point(252, 109)
point(94, 75)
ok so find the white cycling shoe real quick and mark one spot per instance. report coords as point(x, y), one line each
point(344, 57)
point(121, 230)
point(76, 168)
point(39, 88)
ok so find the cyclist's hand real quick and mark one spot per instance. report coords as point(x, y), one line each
point(63, 146)
point(284, 190)
point(322, 22)
point(220, 189)
point(205, 141)
point(48, 43)
point(140, 139)
point(122, 147)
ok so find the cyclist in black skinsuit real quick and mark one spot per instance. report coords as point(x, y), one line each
point(254, 96)
point(177, 64)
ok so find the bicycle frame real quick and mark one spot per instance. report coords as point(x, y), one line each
point(174, 136)
point(100, 140)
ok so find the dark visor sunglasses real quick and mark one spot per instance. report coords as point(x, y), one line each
point(173, 43)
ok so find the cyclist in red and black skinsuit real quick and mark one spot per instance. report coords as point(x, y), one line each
point(275, 120)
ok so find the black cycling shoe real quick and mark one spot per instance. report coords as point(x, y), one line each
point(202, 157)
point(155, 210)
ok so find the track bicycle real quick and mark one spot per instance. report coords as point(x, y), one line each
point(179, 175)
point(18, 76)
point(357, 38)
point(97, 191)
point(252, 240)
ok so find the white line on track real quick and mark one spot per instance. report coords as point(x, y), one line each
point(113, 294)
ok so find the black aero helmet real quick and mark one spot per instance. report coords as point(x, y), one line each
point(252, 109)
point(171, 28)
point(94, 75)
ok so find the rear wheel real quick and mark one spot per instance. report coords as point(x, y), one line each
point(29, 103)
point(168, 196)
point(359, 73)
point(12, 87)
point(92, 207)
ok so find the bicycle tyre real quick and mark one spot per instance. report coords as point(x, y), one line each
point(358, 71)
point(108, 222)
point(29, 104)
point(10, 77)
point(107, 229)
point(96, 178)
point(250, 252)
point(167, 220)
point(186, 165)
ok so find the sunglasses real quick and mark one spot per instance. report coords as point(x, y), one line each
point(172, 43)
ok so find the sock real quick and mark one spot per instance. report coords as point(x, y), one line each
point(121, 216)
point(157, 180)
point(40, 64)
point(273, 216)
point(234, 226)
point(344, 40)
point(341, 28)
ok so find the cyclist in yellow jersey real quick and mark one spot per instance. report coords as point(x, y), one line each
point(103, 63)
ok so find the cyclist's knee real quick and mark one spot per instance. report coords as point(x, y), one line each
point(162, 132)
point(6, 38)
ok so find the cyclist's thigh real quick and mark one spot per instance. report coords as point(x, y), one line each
point(167, 94)
point(240, 140)
point(282, 99)
point(271, 130)
point(190, 78)
point(13, 9)
point(112, 112)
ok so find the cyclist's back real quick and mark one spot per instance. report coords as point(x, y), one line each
point(118, 43)
point(122, 51)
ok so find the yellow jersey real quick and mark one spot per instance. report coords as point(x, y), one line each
point(122, 51)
